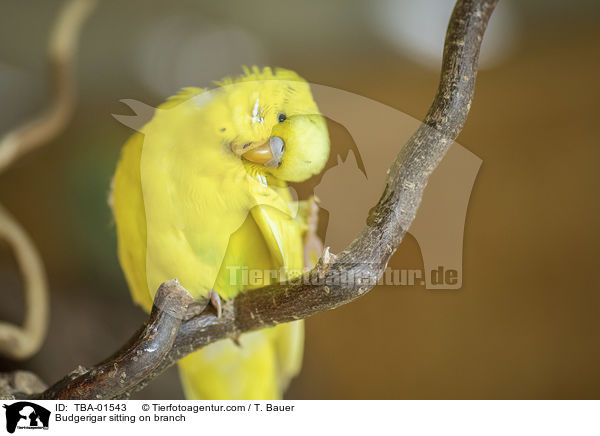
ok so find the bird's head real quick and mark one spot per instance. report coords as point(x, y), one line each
point(275, 126)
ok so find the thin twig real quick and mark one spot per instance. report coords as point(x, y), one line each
point(61, 53)
point(22, 342)
point(337, 280)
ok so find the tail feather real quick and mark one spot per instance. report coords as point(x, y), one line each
point(259, 368)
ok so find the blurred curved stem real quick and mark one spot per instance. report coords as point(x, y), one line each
point(21, 342)
point(61, 51)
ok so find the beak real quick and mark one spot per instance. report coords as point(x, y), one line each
point(269, 153)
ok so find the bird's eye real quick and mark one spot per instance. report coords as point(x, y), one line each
point(281, 118)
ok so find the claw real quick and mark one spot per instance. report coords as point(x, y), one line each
point(215, 300)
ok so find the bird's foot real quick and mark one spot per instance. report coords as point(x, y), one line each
point(193, 310)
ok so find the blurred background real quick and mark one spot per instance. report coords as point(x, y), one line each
point(525, 323)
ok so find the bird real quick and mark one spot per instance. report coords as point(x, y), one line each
point(201, 193)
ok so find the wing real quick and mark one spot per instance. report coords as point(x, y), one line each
point(174, 220)
point(127, 203)
point(282, 231)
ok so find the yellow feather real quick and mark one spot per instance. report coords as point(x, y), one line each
point(187, 207)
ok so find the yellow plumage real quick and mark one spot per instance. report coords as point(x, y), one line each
point(193, 200)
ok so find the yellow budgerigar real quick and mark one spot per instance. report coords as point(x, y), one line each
point(200, 194)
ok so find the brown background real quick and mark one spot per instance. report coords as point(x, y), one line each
point(525, 323)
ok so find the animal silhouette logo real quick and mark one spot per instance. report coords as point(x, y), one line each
point(352, 182)
point(26, 415)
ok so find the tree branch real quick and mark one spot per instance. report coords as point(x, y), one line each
point(121, 372)
point(337, 280)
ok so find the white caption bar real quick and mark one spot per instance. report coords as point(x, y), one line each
point(301, 417)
